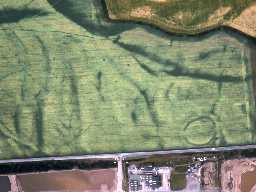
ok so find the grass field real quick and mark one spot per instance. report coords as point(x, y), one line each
point(184, 16)
point(73, 83)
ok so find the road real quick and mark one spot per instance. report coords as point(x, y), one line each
point(130, 155)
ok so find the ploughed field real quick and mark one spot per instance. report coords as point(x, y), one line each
point(72, 82)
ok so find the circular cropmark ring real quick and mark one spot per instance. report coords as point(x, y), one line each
point(200, 131)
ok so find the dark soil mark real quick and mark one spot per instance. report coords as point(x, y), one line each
point(213, 109)
point(179, 71)
point(99, 80)
point(74, 92)
point(134, 113)
point(69, 114)
point(146, 68)
point(22, 60)
point(150, 105)
point(134, 117)
point(8, 135)
point(16, 119)
point(39, 123)
point(47, 67)
point(10, 15)
point(207, 54)
point(99, 85)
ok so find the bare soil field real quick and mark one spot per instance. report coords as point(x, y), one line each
point(87, 181)
point(248, 181)
point(246, 21)
point(210, 176)
point(238, 175)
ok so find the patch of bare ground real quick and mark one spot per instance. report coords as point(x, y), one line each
point(248, 181)
point(236, 175)
point(210, 177)
point(159, 1)
point(218, 14)
point(246, 22)
point(142, 12)
point(103, 180)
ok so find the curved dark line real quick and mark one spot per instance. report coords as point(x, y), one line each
point(146, 68)
point(199, 118)
point(211, 140)
point(22, 59)
point(47, 69)
point(39, 123)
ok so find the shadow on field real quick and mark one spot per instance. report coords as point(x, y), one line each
point(91, 15)
point(10, 15)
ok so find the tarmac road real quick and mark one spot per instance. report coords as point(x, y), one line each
point(124, 156)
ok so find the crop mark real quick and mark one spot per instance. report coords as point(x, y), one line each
point(39, 122)
point(99, 84)
point(211, 125)
point(146, 68)
point(206, 54)
point(16, 119)
point(74, 91)
point(134, 117)
point(9, 135)
point(149, 101)
point(22, 60)
point(47, 67)
point(134, 114)
point(69, 113)
point(180, 71)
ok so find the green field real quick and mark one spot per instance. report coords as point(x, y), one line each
point(73, 83)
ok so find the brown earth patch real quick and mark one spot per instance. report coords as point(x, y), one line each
point(159, 1)
point(219, 14)
point(144, 11)
point(248, 180)
point(103, 180)
point(233, 174)
point(246, 22)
